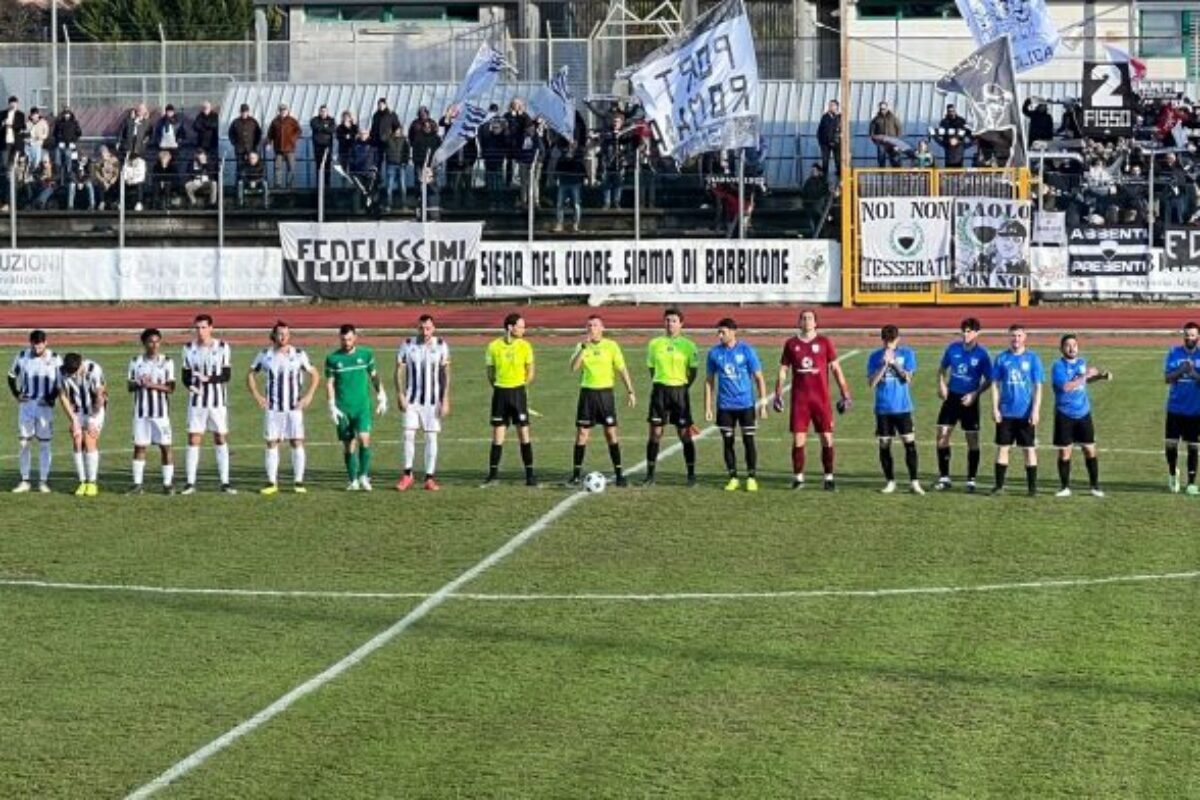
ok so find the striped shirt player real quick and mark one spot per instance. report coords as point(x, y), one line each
point(34, 381)
point(83, 397)
point(151, 380)
point(207, 369)
point(422, 386)
point(286, 369)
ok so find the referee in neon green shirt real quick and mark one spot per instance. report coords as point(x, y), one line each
point(598, 361)
point(674, 363)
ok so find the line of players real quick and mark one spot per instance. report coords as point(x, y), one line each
point(735, 397)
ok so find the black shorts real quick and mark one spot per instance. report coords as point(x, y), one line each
point(889, 425)
point(1183, 426)
point(1069, 431)
point(953, 412)
point(596, 407)
point(670, 405)
point(509, 407)
point(1015, 431)
point(729, 418)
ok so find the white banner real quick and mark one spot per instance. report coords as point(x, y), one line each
point(1027, 22)
point(905, 239)
point(555, 104)
point(1050, 275)
point(991, 243)
point(1050, 228)
point(141, 274)
point(700, 90)
point(717, 270)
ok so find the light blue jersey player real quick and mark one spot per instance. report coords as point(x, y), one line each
point(733, 375)
point(1073, 426)
point(964, 374)
point(1182, 373)
point(890, 370)
point(1018, 376)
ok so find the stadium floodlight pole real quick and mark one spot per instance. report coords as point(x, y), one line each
point(54, 57)
point(162, 67)
point(67, 82)
point(844, 141)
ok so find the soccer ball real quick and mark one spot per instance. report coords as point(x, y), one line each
point(595, 482)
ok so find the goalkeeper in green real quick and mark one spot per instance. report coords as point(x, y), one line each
point(350, 378)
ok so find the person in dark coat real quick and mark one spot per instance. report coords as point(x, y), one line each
point(135, 132)
point(829, 137)
point(323, 128)
point(517, 121)
point(1041, 124)
point(814, 195)
point(424, 143)
point(493, 148)
point(384, 124)
point(66, 134)
point(14, 132)
point(206, 131)
point(952, 135)
point(245, 134)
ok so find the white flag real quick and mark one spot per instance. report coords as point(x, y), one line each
point(464, 128)
point(1034, 36)
point(700, 90)
point(555, 104)
point(482, 76)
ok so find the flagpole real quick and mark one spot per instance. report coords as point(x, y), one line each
point(741, 218)
point(637, 194)
point(529, 196)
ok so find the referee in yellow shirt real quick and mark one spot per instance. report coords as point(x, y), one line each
point(510, 369)
point(598, 361)
point(674, 363)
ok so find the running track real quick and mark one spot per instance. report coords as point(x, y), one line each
point(488, 317)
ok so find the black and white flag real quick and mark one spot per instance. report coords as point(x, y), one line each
point(1109, 102)
point(988, 81)
point(700, 90)
point(1027, 22)
point(464, 128)
point(555, 104)
point(482, 75)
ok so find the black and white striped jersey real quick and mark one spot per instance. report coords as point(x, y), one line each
point(151, 403)
point(83, 388)
point(425, 369)
point(210, 362)
point(37, 377)
point(286, 370)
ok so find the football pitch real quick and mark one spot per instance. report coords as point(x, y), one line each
point(640, 642)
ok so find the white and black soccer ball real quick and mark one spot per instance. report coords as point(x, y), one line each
point(595, 482)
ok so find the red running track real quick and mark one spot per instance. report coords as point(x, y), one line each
point(1049, 318)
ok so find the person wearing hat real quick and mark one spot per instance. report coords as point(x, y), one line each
point(14, 130)
point(245, 134)
point(66, 135)
point(168, 133)
point(384, 124)
point(282, 136)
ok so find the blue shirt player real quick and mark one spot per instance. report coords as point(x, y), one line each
point(964, 374)
point(733, 374)
point(1017, 378)
point(889, 372)
point(1070, 377)
point(1182, 373)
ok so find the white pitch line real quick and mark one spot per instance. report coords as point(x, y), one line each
point(612, 597)
point(189, 763)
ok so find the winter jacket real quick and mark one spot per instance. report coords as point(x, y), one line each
point(1041, 124)
point(384, 123)
point(283, 134)
point(205, 129)
point(398, 150)
point(66, 129)
point(346, 136)
point(323, 129)
point(134, 135)
point(886, 124)
point(362, 157)
point(494, 143)
point(164, 128)
point(425, 143)
point(829, 130)
point(245, 135)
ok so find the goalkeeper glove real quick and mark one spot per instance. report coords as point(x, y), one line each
point(336, 414)
point(381, 402)
point(778, 403)
point(844, 405)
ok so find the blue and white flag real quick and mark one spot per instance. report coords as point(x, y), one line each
point(482, 76)
point(700, 90)
point(555, 104)
point(464, 128)
point(1027, 22)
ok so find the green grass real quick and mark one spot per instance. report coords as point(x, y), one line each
point(1080, 691)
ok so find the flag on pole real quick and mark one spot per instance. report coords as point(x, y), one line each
point(1117, 55)
point(987, 78)
point(483, 73)
point(1035, 37)
point(464, 128)
point(700, 90)
point(555, 104)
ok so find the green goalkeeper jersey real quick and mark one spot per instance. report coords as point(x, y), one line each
point(352, 373)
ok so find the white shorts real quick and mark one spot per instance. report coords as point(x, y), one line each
point(423, 417)
point(93, 421)
point(283, 425)
point(35, 420)
point(205, 420)
point(151, 431)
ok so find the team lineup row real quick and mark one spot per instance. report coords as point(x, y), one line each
point(735, 398)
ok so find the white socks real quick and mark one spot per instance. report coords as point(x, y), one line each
point(223, 462)
point(410, 448)
point(431, 453)
point(139, 471)
point(193, 464)
point(168, 471)
point(272, 465)
point(26, 459)
point(91, 460)
point(299, 459)
point(43, 461)
point(77, 456)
